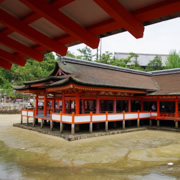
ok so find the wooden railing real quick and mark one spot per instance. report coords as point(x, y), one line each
point(92, 118)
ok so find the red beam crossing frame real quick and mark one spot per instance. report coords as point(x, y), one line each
point(22, 28)
point(122, 16)
point(63, 21)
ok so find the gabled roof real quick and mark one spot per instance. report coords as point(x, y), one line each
point(93, 74)
point(98, 74)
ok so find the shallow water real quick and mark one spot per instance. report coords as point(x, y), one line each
point(26, 154)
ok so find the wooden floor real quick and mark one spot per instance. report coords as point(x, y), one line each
point(41, 116)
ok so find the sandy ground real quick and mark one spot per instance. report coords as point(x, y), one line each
point(132, 155)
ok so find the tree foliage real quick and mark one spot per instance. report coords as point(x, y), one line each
point(155, 64)
point(31, 71)
point(173, 60)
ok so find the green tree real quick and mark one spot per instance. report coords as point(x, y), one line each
point(173, 60)
point(85, 54)
point(31, 71)
point(155, 64)
point(70, 54)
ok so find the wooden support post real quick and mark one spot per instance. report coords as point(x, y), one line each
point(158, 107)
point(142, 103)
point(158, 123)
point(129, 105)
point(61, 127)
point(36, 108)
point(77, 104)
point(138, 122)
point(106, 122)
point(123, 124)
point(91, 124)
point(72, 128)
point(97, 106)
point(34, 122)
point(27, 120)
point(63, 104)
point(114, 106)
point(176, 108)
point(176, 124)
point(72, 125)
point(51, 125)
point(45, 104)
point(90, 127)
point(77, 127)
point(21, 119)
point(42, 123)
point(83, 106)
point(106, 126)
point(150, 122)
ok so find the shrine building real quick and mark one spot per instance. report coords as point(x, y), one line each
point(80, 92)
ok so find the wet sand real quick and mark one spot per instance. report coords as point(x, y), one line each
point(27, 154)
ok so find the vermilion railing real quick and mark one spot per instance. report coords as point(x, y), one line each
point(92, 118)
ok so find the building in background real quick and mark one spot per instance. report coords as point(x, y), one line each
point(143, 59)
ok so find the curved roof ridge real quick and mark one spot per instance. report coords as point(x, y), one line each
point(101, 65)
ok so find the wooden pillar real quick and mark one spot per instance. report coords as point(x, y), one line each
point(142, 103)
point(97, 105)
point(53, 105)
point(123, 124)
point(45, 104)
point(176, 108)
point(83, 106)
point(72, 125)
point(27, 120)
point(21, 119)
point(129, 105)
point(176, 124)
point(150, 122)
point(114, 106)
point(61, 127)
point(63, 104)
point(77, 104)
point(51, 125)
point(36, 108)
point(158, 107)
point(158, 123)
point(138, 122)
point(42, 123)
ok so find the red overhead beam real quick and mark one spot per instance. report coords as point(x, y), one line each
point(20, 48)
point(5, 64)
point(158, 10)
point(63, 21)
point(12, 58)
point(122, 16)
point(61, 3)
point(20, 27)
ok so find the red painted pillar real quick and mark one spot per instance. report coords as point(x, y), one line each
point(114, 106)
point(142, 103)
point(129, 105)
point(176, 108)
point(83, 106)
point(158, 107)
point(36, 109)
point(63, 104)
point(53, 105)
point(77, 104)
point(45, 104)
point(97, 106)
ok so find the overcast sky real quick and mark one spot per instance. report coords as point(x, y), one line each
point(159, 38)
